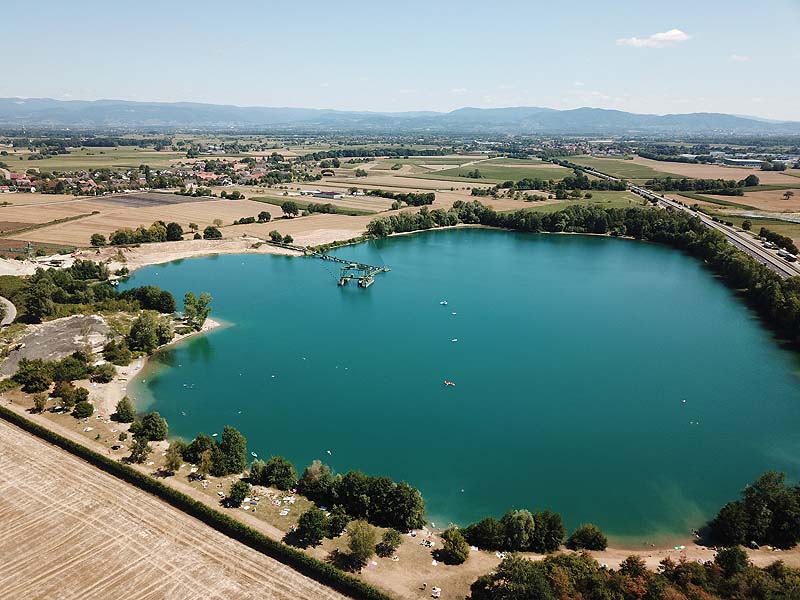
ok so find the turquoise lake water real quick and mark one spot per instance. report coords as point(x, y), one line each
point(574, 355)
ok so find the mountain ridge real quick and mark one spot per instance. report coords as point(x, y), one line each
point(104, 113)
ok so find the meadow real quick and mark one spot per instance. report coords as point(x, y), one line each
point(624, 169)
point(498, 174)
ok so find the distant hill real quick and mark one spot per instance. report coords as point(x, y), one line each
point(44, 112)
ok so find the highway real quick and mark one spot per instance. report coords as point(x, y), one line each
point(739, 239)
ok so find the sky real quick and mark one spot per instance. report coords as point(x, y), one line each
point(646, 56)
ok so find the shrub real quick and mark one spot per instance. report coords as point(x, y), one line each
point(117, 353)
point(82, 410)
point(104, 373)
point(34, 375)
point(125, 413)
point(239, 491)
point(587, 537)
point(389, 543)
point(455, 549)
point(212, 233)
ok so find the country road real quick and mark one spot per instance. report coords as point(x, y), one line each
point(11, 312)
point(739, 239)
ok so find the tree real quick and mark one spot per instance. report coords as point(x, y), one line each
point(82, 409)
point(174, 459)
point(517, 577)
point(71, 368)
point(205, 463)
point(97, 240)
point(337, 521)
point(34, 375)
point(104, 373)
point(275, 236)
point(788, 194)
point(152, 427)
point(193, 227)
point(238, 492)
point(174, 232)
point(587, 537)
point(232, 452)
point(633, 566)
point(143, 335)
point(39, 402)
point(279, 473)
point(312, 527)
point(196, 310)
point(38, 300)
point(389, 543)
point(288, 239)
point(125, 413)
point(316, 483)
point(264, 217)
point(747, 224)
point(549, 533)
point(488, 534)
point(519, 528)
point(361, 543)
point(455, 549)
point(212, 233)
point(140, 449)
point(732, 561)
point(290, 208)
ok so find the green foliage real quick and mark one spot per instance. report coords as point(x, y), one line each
point(279, 473)
point(747, 224)
point(174, 456)
point(117, 353)
point(71, 368)
point(732, 561)
point(230, 455)
point(104, 373)
point(97, 240)
point(587, 537)
point(195, 449)
point(338, 520)
point(148, 332)
point(312, 527)
point(124, 413)
point(487, 534)
point(196, 310)
point(768, 513)
point(361, 542)
point(39, 402)
point(409, 198)
point(518, 527)
point(174, 232)
point(264, 217)
point(779, 240)
point(390, 541)
point(82, 409)
point(275, 236)
point(140, 450)
point(455, 549)
point(239, 491)
point(34, 375)
point(152, 427)
point(150, 297)
point(212, 233)
point(290, 208)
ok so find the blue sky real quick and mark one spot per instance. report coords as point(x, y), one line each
point(643, 56)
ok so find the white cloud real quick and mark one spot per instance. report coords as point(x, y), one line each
point(578, 84)
point(657, 40)
point(459, 91)
point(739, 58)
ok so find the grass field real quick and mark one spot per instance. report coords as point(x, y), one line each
point(787, 228)
point(349, 206)
point(499, 174)
point(624, 169)
point(604, 199)
point(718, 200)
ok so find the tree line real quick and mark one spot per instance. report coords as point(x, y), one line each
point(720, 187)
point(776, 300)
point(410, 198)
point(779, 240)
point(374, 152)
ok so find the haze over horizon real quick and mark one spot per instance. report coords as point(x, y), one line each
point(422, 56)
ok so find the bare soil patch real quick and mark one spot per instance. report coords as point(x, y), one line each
point(146, 199)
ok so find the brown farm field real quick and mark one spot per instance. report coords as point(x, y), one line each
point(715, 171)
point(73, 531)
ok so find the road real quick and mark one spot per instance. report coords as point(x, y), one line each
point(739, 239)
point(11, 312)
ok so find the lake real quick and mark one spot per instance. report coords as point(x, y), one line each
point(573, 359)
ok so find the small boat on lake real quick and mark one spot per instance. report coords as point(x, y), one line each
point(450, 383)
point(254, 455)
point(443, 303)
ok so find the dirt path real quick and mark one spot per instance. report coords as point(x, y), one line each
point(11, 311)
point(68, 530)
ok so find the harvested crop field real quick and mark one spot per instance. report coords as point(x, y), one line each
point(714, 171)
point(8, 226)
point(143, 199)
point(70, 530)
point(768, 200)
point(109, 219)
